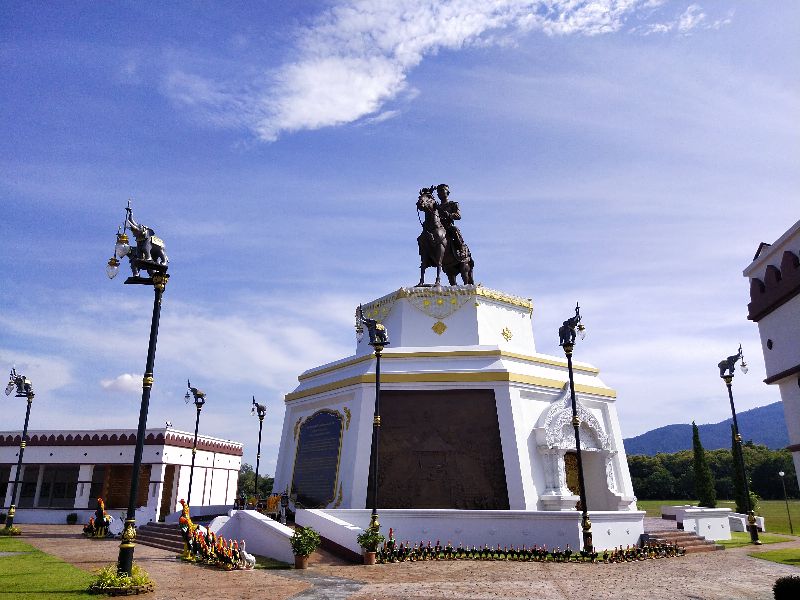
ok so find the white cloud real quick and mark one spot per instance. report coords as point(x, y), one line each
point(691, 18)
point(125, 384)
point(355, 57)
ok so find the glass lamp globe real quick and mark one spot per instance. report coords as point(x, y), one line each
point(122, 246)
point(187, 397)
point(781, 473)
point(582, 331)
point(744, 368)
point(112, 268)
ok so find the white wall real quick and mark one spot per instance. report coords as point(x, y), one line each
point(478, 527)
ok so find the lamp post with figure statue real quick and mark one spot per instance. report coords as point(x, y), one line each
point(149, 256)
point(199, 401)
point(260, 411)
point(24, 389)
point(378, 339)
point(569, 330)
point(726, 369)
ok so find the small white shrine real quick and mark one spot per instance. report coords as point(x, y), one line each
point(472, 419)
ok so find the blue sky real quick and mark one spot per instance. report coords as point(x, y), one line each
point(628, 154)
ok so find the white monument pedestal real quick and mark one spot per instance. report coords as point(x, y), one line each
point(472, 416)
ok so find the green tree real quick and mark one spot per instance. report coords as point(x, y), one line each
point(738, 474)
point(703, 479)
point(246, 483)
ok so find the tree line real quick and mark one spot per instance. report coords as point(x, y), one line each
point(672, 476)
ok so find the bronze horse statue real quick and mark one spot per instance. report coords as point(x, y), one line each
point(433, 239)
point(440, 243)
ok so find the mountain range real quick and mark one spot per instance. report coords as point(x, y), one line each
point(763, 425)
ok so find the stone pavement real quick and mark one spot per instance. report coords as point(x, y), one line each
point(723, 575)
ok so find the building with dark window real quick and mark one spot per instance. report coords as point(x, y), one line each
point(66, 471)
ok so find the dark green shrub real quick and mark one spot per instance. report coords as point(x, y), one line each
point(72, 518)
point(787, 588)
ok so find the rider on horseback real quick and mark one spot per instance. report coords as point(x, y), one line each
point(449, 212)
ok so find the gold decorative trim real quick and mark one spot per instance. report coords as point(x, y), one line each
point(537, 360)
point(505, 298)
point(439, 328)
point(347, 416)
point(506, 333)
point(129, 534)
point(147, 381)
point(448, 377)
point(338, 498)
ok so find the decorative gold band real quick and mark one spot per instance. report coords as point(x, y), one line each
point(147, 381)
point(12, 511)
point(377, 421)
point(22, 444)
point(576, 422)
point(160, 281)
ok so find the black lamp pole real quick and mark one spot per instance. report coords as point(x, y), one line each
point(261, 411)
point(378, 339)
point(24, 389)
point(786, 499)
point(567, 333)
point(726, 369)
point(149, 256)
point(199, 401)
point(376, 435)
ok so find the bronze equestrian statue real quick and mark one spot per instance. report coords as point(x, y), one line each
point(441, 244)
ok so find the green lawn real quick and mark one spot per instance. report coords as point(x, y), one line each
point(789, 557)
point(773, 511)
point(34, 574)
point(741, 538)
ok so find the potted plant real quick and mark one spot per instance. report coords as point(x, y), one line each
point(304, 541)
point(369, 540)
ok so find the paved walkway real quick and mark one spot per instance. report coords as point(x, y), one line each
point(723, 575)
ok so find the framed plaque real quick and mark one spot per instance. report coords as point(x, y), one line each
point(316, 463)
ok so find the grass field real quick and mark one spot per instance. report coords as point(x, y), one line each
point(34, 574)
point(773, 511)
point(789, 557)
point(740, 538)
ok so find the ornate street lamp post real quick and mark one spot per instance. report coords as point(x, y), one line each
point(24, 389)
point(726, 369)
point(259, 410)
point(567, 333)
point(786, 499)
point(199, 401)
point(148, 255)
point(378, 339)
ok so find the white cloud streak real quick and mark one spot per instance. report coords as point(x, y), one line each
point(356, 56)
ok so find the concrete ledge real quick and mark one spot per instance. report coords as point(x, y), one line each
point(263, 535)
point(478, 527)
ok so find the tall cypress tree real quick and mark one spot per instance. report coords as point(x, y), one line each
point(738, 475)
point(703, 479)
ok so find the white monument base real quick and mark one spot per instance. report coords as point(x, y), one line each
point(478, 527)
point(469, 349)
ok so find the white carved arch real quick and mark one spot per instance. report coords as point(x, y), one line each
point(557, 424)
point(557, 436)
